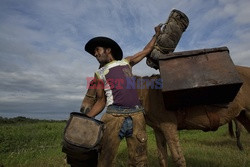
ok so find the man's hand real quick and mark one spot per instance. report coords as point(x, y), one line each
point(158, 29)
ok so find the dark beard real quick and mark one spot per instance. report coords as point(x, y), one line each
point(104, 61)
point(102, 64)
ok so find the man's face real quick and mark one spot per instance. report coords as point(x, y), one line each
point(101, 55)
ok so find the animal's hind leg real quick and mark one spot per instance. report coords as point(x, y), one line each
point(162, 148)
point(171, 135)
point(237, 132)
point(230, 129)
point(244, 119)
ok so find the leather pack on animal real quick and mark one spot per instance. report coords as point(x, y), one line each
point(167, 41)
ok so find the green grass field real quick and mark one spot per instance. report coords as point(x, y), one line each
point(29, 143)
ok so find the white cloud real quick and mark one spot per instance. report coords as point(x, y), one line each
point(42, 42)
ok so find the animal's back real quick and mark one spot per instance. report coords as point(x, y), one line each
point(245, 89)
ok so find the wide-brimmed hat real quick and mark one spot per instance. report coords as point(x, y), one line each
point(104, 42)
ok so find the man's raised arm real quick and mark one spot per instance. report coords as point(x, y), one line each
point(147, 49)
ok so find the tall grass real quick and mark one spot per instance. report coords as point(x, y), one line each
point(29, 143)
point(201, 149)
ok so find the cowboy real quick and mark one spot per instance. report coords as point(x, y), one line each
point(124, 116)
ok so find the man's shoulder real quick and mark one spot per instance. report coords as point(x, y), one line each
point(105, 69)
point(125, 60)
point(116, 63)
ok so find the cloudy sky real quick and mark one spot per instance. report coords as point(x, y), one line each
point(43, 65)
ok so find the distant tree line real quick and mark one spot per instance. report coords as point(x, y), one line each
point(21, 119)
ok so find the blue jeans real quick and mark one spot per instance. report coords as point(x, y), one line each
point(127, 128)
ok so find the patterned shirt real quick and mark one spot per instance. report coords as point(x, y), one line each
point(116, 76)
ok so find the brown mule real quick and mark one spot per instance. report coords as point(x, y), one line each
point(204, 117)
